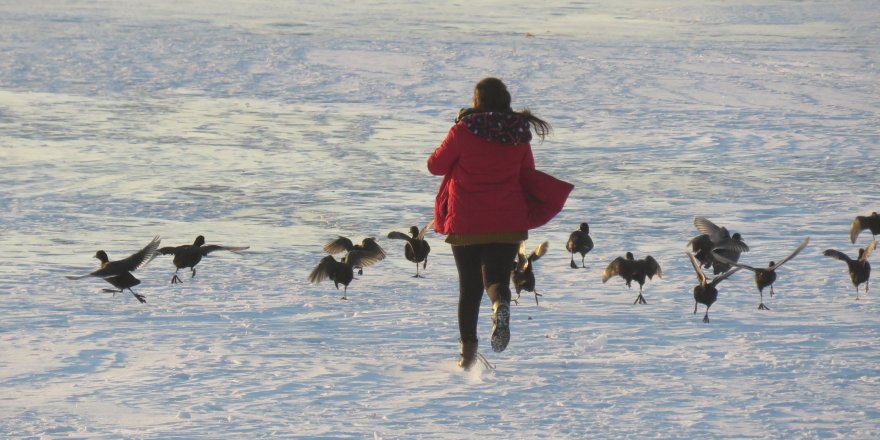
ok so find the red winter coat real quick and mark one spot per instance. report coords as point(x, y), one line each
point(481, 192)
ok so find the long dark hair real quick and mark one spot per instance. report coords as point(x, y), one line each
point(491, 95)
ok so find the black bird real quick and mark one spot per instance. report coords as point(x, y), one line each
point(579, 241)
point(631, 269)
point(706, 292)
point(860, 223)
point(859, 269)
point(341, 272)
point(369, 246)
point(717, 239)
point(765, 276)
point(189, 255)
point(523, 274)
point(416, 248)
point(118, 273)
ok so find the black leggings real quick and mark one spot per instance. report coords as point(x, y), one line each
point(481, 266)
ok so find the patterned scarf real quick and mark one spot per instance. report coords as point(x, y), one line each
point(507, 128)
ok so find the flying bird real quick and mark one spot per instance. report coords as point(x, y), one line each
point(523, 274)
point(189, 255)
point(341, 272)
point(579, 242)
point(369, 246)
point(631, 269)
point(707, 291)
point(716, 239)
point(118, 273)
point(416, 248)
point(859, 269)
point(861, 222)
point(765, 276)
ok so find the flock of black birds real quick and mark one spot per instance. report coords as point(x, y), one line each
point(717, 248)
point(714, 248)
point(118, 272)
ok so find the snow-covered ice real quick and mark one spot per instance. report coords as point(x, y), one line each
point(279, 125)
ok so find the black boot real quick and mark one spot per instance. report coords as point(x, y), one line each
point(500, 325)
point(468, 355)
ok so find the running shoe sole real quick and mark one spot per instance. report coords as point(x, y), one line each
point(501, 327)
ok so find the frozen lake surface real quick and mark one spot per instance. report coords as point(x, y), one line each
point(281, 126)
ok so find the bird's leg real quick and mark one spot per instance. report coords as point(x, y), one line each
point(582, 262)
point(706, 316)
point(193, 273)
point(573, 266)
point(695, 307)
point(857, 292)
point(536, 297)
point(417, 272)
point(516, 300)
point(345, 293)
point(640, 299)
point(761, 306)
point(175, 279)
point(113, 291)
point(139, 297)
point(771, 291)
point(360, 271)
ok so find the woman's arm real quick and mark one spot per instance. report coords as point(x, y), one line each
point(441, 161)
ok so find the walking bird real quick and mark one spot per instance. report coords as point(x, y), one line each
point(189, 255)
point(765, 276)
point(118, 273)
point(341, 272)
point(859, 269)
point(707, 291)
point(579, 242)
point(524, 270)
point(371, 249)
point(416, 248)
point(631, 269)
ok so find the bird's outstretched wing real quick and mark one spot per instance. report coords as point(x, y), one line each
point(613, 268)
point(341, 244)
point(731, 244)
point(370, 246)
point(425, 230)
point(205, 250)
point(697, 268)
point(730, 262)
point(362, 258)
point(521, 261)
point(706, 227)
point(395, 235)
point(868, 250)
point(323, 270)
point(653, 268)
point(142, 257)
point(166, 250)
point(836, 254)
point(539, 251)
point(723, 276)
point(858, 225)
point(793, 254)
